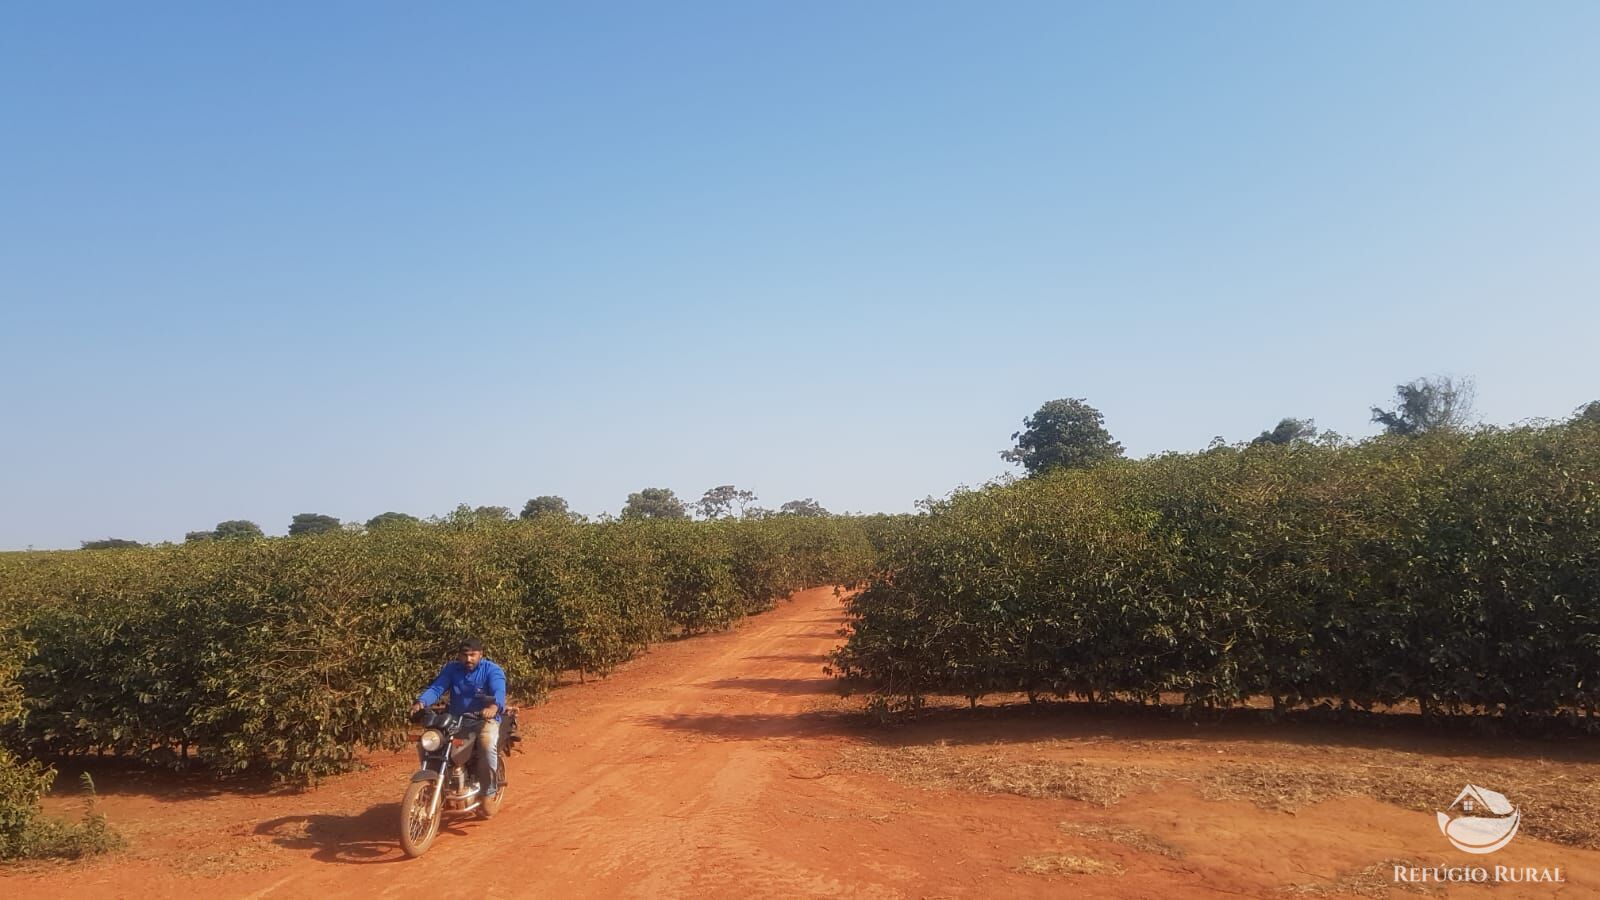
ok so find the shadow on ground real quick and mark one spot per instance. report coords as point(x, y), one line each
point(760, 726)
point(364, 838)
point(129, 778)
point(787, 687)
point(1023, 722)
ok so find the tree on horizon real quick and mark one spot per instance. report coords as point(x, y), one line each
point(390, 519)
point(807, 507)
point(312, 523)
point(654, 503)
point(1441, 403)
point(109, 544)
point(1063, 434)
point(547, 505)
point(1287, 431)
point(719, 502)
point(237, 530)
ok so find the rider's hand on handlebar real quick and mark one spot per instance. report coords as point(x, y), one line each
point(490, 711)
point(416, 705)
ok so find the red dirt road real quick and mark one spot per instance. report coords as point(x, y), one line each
point(718, 766)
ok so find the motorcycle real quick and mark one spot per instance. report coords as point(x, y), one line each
point(445, 782)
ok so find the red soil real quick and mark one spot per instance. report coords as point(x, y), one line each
point(715, 766)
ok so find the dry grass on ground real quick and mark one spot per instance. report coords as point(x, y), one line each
point(940, 767)
point(1127, 836)
point(1554, 796)
point(250, 858)
point(1060, 864)
point(1555, 801)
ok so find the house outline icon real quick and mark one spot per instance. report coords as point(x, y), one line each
point(1473, 796)
point(1488, 821)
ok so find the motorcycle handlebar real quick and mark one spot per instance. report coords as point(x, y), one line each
point(417, 716)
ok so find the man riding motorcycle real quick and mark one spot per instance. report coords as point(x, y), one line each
point(475, 685)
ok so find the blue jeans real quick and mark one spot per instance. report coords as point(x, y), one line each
point(486, 758)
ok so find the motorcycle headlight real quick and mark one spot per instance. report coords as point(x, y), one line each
point(431, 740)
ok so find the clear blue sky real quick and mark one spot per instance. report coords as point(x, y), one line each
point(261, 259)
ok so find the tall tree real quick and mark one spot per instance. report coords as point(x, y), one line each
point(1428, 404)
point(548, 505)
point(1288, 431)
point(1062, 434)
point(1588, 414)
point(807, 507)
point(654, 503)
point(390, 519)
point(238, 530)
point(312, 523)
point(719, 502)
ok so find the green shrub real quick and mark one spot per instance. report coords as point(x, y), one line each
point(1461, 572)
point(27, 834)
point(291, 655)
point(24, 832)
point(21, 786)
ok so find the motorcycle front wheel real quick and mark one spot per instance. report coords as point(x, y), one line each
point(417, 828)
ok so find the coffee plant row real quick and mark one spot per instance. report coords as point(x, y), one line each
point(289, 654)
point(1459, 572)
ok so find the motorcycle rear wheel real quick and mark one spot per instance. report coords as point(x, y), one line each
point(417, 828)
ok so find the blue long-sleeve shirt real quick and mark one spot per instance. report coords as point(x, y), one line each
point(469, 691)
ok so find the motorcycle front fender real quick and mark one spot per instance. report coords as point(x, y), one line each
point(425, 775)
